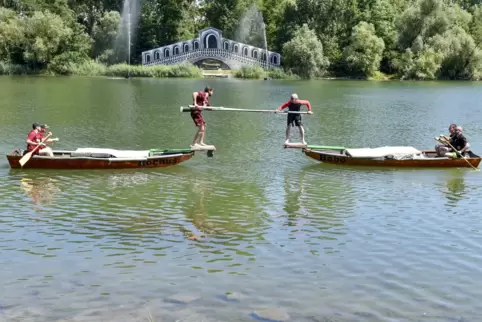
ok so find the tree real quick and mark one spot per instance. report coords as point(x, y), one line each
point(303, 54)
point(365, 51)
point(104, 33)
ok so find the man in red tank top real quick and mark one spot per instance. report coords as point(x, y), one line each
point(36, 136)
point(294, 105)
point(200, 99)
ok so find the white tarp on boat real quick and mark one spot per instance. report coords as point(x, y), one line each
point(126, 154)
point(381, 152)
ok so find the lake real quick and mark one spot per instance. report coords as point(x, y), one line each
point(277, 235)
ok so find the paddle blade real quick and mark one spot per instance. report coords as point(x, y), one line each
point(25, 158)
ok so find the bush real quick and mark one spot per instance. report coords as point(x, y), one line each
point(250, 72)
point(161, 71)
point(256, 72)
point(13, 69)
point(279, 73)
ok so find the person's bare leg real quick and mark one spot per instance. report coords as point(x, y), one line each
point(442, 151)
point(288, 134)
point(302, 134)
point(196, 136)
point(202, 133)
point(47, 152)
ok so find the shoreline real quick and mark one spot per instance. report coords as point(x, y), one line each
point(189, 71)
point(227, 76)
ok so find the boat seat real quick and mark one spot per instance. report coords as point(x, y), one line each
point(381, 152)
point(110, 153)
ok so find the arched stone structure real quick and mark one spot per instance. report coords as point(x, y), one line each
point(211, 64)
point(211, 44)
point(254, 53)
point(210, 41)
point(231, 64)
point(263, 56)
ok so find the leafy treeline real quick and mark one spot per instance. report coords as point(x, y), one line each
point(409, 39)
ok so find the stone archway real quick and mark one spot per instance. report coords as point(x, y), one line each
point(211, 63)
point(211, 41)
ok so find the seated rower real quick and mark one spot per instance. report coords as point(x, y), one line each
point(459, 142)
point(443, 139)
point(35, 137)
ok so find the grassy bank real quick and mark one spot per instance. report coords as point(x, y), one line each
point(260, 73)
point(93, 68)
point(185, 70)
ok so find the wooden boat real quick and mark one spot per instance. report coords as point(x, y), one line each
point(99, 158)
point(388, 156)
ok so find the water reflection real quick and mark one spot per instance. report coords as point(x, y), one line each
point(316, 203)
point(454, 188)
point(294, 188)
point(41, 190)
point(197, 212)
point(226, 210)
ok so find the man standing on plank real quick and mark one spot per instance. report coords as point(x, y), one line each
point(294, 105)
point(200, 99)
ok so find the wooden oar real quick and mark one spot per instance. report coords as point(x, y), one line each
point(457, 152)
point(27, 156)
point(220, 108)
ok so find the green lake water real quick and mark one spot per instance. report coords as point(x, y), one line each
point(282, 236)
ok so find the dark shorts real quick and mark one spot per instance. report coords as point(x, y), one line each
point(294, 119)
point(198, 119)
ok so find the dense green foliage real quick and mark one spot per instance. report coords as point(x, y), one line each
point(411, 39)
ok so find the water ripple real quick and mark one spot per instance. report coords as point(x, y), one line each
point(254, 222)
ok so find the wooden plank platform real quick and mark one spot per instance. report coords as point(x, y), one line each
point(297, 145)
point(202, 148)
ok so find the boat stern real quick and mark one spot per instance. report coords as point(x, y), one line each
point(14, 158)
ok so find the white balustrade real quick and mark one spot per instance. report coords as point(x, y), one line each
point(229, 57)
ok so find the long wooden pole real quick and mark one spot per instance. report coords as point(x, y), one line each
point(227, 109)
point(445, 141)
point(27, 156)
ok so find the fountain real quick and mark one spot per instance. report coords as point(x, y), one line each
point(127, 24)
point(252, 29)
point(265, 43)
